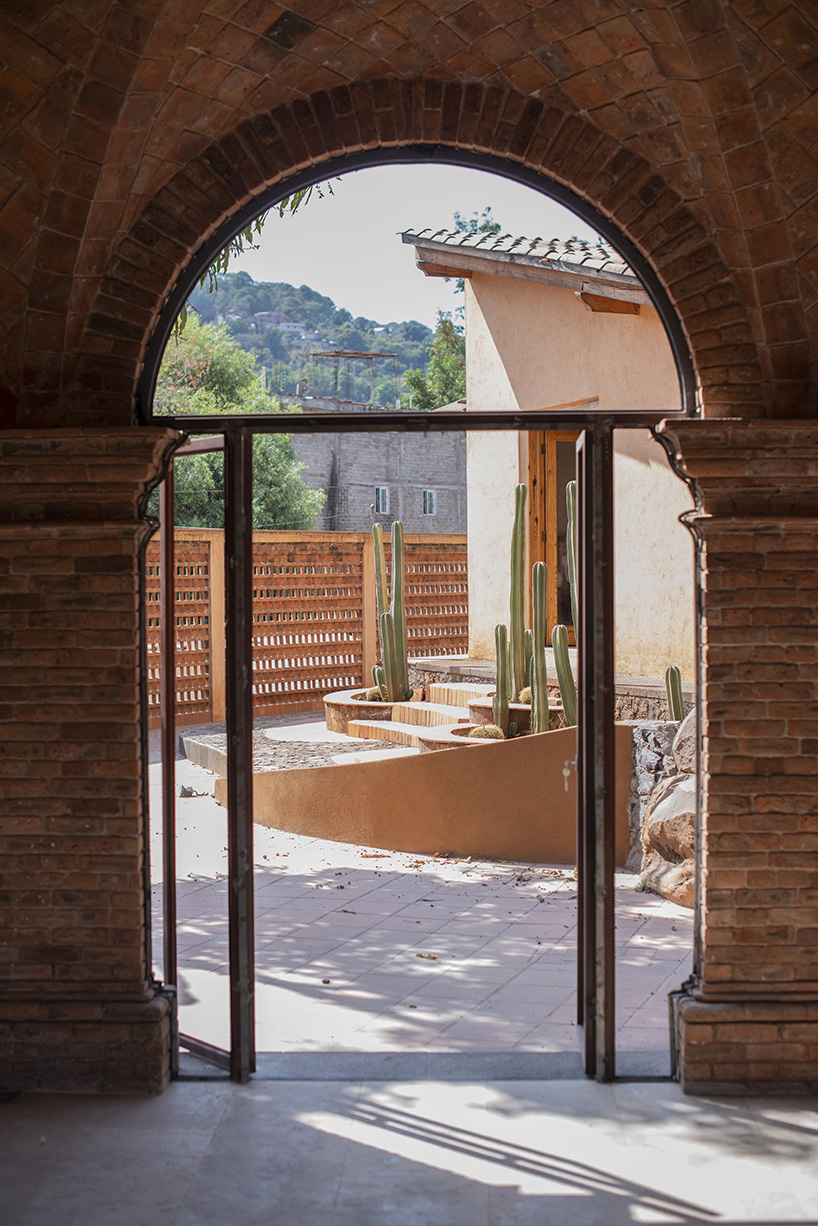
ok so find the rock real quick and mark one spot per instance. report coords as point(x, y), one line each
point(652, 762)
point(668, 840)
point(684, 745)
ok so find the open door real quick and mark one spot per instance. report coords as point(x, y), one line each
point(239, 1060)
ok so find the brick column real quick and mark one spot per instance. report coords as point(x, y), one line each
point(749, 1017)
point(78, 1007)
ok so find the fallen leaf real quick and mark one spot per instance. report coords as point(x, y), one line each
point(432, 956)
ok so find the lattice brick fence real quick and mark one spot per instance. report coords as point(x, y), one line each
point(437, 596)
point(314, 622)
point(307, 619)
point(193, 629)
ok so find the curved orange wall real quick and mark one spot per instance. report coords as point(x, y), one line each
point(504, 800)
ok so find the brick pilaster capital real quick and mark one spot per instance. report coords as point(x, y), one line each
point(767, 469)
point(71, 475)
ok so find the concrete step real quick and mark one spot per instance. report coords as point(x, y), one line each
point(429, 714)
point(456, 693)
point(389, 731)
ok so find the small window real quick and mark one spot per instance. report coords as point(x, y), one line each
point(429, 502)
point(381, 499)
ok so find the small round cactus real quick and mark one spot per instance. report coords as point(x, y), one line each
point(487, 732)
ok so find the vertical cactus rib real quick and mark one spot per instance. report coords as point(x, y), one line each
point(675, 701)
point(571, 547)
point(568, 690)
point(380, 578)
point(499, 703)
point(539, 673)
point(390, 669)
point(517, 596)
point(398, 610)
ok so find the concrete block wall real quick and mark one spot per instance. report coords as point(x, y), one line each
point(348, 467)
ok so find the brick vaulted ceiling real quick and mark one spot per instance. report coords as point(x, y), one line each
point(131, 131)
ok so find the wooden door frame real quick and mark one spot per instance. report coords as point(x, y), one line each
point(542, 513)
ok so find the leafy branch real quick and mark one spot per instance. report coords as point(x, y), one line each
point(245, 241)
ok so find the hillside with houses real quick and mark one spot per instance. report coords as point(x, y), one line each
point(284, 325)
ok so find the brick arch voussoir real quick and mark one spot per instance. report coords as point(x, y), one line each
point(268, 149)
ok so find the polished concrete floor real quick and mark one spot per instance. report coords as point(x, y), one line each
point(476, 1153)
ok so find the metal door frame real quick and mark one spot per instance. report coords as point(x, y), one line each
point(596, 987)
point(240, 1060)
point(595, 733)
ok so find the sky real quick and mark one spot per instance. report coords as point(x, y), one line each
point(347, 245)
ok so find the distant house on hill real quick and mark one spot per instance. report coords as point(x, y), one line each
point(550, 325)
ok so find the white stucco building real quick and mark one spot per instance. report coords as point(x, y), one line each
point(557, 324)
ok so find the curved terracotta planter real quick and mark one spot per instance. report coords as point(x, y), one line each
point(448, 736)
point(480, 712)
point(346, 705)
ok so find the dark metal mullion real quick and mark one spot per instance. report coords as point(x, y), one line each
point(596, 752)
point(586, 859)
point(414, 422)
point(167, 704)
point(605, 799)
point(239, 702)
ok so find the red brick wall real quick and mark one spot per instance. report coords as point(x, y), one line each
point(751, 1016)
point(78, 1008)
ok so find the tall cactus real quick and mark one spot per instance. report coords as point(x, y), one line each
point(516, 680)
point(539, 674)
point(675, 701)
point(529, 652)
point(392, 678)
point(499, 703)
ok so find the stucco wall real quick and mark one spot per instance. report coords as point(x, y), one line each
point(655, 606)
point(533, 346)
point(555, 351)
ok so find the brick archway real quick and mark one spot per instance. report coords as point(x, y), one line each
point(127, 137)
point(563, 149)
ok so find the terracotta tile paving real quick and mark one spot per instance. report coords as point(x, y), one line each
point(359, 950)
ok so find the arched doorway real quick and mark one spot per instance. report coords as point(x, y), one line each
point(596, 667)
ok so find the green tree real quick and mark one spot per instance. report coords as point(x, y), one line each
point(445, 378)
point(478, 223)
point(204, 372)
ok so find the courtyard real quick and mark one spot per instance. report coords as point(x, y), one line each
point(362, 951)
